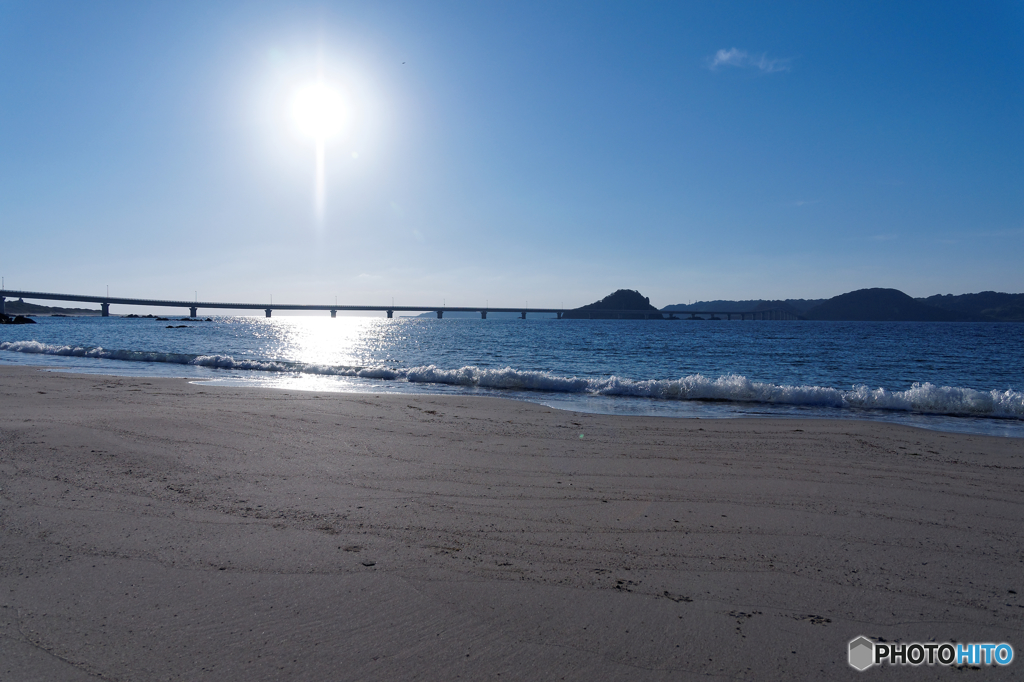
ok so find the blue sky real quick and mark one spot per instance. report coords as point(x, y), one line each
point(513, 152)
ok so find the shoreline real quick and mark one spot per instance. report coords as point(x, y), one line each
point(155, 528)
point(613, 404)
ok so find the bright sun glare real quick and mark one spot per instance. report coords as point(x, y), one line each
point(319, 111)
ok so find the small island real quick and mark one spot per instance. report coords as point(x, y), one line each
point(624, 304)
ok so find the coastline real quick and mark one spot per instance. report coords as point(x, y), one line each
point(729, 396)
point(154, 528)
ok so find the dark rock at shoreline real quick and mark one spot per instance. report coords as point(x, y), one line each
point(20, 319)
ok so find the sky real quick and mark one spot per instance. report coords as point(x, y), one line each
point(506, 153)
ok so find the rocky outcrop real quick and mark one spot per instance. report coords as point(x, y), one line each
point(20, 319)
point(633, 304)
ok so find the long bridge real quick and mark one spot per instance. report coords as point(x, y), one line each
point(193, 307)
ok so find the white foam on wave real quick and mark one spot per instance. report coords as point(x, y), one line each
point(95, 352)
point(922, 398)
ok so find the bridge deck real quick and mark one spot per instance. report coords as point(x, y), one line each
point(106, 301)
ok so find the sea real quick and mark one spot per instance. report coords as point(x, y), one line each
point(960, 377)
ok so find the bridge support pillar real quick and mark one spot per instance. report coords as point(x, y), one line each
point(267, 311)
point(483, 314)
point(391, 313)
point(2, 309)
point(192, 311)
point(104, 310)
point(559, 315)
point(440, 314)
point(334, 313)
point(523, 315)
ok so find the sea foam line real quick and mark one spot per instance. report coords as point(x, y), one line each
point(924, 398)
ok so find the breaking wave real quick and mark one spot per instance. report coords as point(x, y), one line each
point(921, 398)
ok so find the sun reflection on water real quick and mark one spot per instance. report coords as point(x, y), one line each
point(342, 341)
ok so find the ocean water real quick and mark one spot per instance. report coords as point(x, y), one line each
point(947, 376)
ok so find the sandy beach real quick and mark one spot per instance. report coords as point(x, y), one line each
point(153, 529)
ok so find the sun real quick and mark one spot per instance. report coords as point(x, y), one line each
point(319, 111)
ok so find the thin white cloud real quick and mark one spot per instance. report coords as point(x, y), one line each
point(742, 59)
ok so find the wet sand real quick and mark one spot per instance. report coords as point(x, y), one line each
point(152, 529)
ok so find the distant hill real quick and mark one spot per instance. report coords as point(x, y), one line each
point(881, 305)
point(19, 307)
point(989, 305)
point(796, 305)
point(623, 299)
